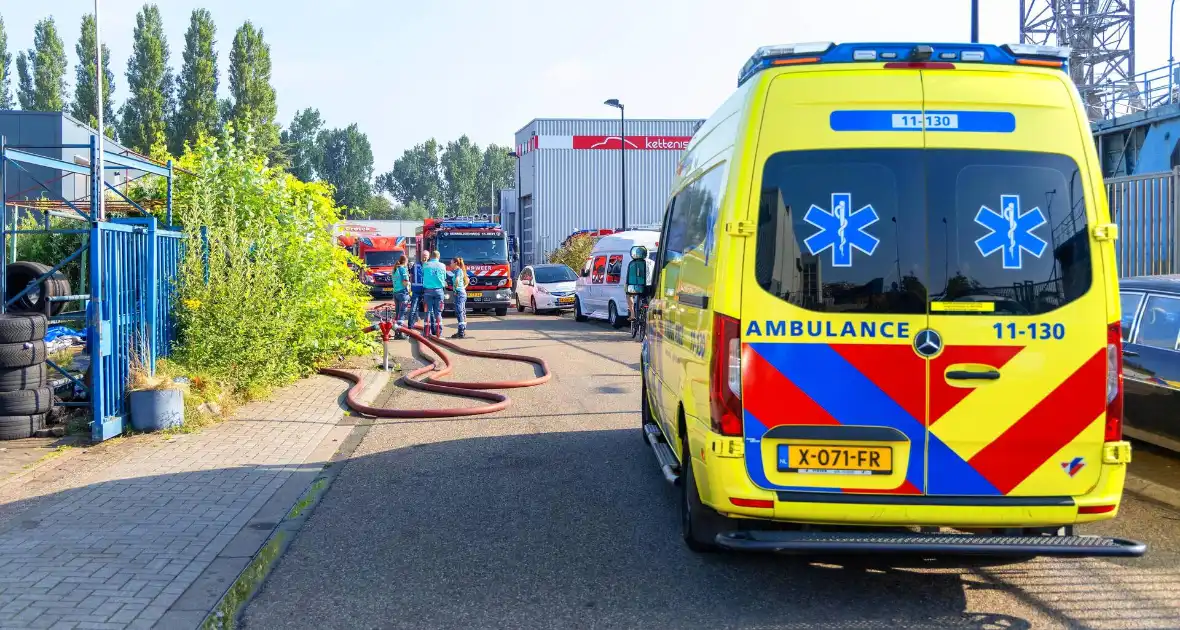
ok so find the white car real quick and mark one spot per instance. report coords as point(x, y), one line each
point(545, 288)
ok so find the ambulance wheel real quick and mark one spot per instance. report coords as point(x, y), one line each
point(612, 316)
point(698, 524)
point(579, 316)
point(519, 306)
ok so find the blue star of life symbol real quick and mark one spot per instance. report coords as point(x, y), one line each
point(841, 230)
point(1010, 231)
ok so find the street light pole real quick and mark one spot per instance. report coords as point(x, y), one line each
point(614, 102)
point(974, 21)
point(98, 205)
point(519, 218)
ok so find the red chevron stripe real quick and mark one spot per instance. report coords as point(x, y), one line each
point(773, 399)
point(896, 369)
point(1054, 422)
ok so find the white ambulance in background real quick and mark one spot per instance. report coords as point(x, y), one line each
point(600, 292)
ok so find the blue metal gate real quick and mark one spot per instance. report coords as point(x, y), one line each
point(133, 266)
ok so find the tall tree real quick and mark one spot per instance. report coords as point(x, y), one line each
point(84, 106)
point(149, 79)
point(48, 68)
point(6, 101)
point(198, 112)
point(416, 178)
point(497, 172)
point(346, 162)
point(300, 145)
point(24, 86)
point(255, 108)
point(378, 207)
point(461, 163)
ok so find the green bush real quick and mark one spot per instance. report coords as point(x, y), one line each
point(279, 299)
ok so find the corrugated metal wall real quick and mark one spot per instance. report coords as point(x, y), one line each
point(580, 189)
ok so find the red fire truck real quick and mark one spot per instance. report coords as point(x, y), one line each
point(483, 245)
point(378, 253)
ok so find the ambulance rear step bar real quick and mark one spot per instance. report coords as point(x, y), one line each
point(924, 543)
point(664, 455)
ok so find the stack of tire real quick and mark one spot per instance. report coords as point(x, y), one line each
point(25, 397)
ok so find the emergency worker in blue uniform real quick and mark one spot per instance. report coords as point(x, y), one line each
point(416, 288)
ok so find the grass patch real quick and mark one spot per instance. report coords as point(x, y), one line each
point(308, 497)
point(225, 616)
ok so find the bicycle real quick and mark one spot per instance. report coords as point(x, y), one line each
point(639, 320)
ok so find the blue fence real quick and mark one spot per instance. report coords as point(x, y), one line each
point(133, 265)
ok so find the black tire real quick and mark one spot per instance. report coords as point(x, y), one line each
point(501, 312)
point(533, 305)
point(15, 355)
point(20, 427)
point(26, 402)
point(21, 273)
point(519, 306)
point(612, 317)
point(699, 525)
point(30, 377)
point(22, 327)
point(578, 315)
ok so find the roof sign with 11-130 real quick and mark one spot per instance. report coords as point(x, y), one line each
point(841, 229)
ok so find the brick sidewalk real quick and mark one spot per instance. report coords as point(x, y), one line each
point(119, 545)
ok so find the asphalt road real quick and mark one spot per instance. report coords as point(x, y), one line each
point(553, 514)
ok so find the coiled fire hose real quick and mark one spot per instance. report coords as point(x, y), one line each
point(426, 378)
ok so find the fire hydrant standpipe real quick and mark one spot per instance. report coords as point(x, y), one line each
point(422, 379)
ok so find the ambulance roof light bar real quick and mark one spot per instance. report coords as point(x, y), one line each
point(912, 54)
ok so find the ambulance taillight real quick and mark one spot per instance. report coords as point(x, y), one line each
point(725, 376)
point(1114, 383)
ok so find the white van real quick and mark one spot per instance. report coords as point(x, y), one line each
point(600, 290)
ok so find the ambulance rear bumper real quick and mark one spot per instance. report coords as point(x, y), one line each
point(949, 544)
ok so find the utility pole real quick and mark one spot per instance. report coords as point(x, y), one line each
point(974, 21)
point(98, 205)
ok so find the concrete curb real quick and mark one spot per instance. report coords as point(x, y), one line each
point(221, 592)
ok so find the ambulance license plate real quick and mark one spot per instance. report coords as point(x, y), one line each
point(816, 459)
point(476, 294)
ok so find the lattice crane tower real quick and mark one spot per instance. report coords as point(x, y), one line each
point(1102, 36)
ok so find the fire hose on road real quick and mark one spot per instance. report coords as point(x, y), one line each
point(427, 378)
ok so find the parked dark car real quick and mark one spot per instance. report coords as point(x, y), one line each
point(1151, 356)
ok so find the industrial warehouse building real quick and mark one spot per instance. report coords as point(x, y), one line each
point(570, 177)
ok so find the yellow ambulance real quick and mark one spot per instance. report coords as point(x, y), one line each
point(885, 311)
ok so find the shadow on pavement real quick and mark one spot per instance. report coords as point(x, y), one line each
point(574, 530)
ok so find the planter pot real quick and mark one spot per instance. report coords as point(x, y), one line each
point(155, 409)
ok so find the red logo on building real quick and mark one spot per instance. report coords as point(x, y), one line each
point(639, 143)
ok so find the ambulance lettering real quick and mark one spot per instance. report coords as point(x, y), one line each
point(815, 328)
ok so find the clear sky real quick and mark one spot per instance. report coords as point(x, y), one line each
point(407, 71)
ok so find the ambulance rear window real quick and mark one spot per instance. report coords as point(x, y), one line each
point(1008, 228)
point(844, 230)
point(1000, 233)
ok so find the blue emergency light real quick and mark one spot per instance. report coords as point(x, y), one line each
point(904, 55)
point(467, 225)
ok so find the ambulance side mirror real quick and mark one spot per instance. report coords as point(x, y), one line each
point(637, 276)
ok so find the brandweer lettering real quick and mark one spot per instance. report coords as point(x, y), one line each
point(816, 328)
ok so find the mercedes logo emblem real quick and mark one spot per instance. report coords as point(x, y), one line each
point(927, 343)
